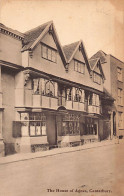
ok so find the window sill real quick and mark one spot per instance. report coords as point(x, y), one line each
point(37, 135)
point(97, 83)
point(49, 60)
point(80, 72)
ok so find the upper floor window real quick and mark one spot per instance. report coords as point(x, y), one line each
point(79, 66)
point(96, 78)
point(49, 53)
point(78, 95)
point(119, 73)
point(69, 94)
point(94, 99)
point(45, 87)
point(120, 119)
point(120, 100)
point(49, 88)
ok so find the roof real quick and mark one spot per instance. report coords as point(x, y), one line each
point(100, 54)
point(93, 62)
point(32, 35)
point(69, 49)
point(2, 26)
point(72, 48)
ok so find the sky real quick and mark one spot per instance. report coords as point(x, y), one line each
point(99, 23)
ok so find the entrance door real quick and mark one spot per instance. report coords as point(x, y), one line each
point(51, 129)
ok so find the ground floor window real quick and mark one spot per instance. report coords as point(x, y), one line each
point(90, 127)
point(70, 125)
point(33, 124)
point(37, 128)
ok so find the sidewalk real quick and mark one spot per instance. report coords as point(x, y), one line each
point(53, 152)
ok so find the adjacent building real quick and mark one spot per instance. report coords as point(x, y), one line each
point(114, 85)
point(50, 95)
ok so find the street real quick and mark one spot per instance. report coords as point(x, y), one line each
point(98, 171)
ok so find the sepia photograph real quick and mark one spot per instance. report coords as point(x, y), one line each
point(62, 98)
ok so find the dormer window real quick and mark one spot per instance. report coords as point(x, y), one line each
point(79, 66)
point(97, 78)
point(48, 53)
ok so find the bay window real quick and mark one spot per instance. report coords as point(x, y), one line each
point(69, 94)
point(50, 88)
point(45, 87)
point(94, 99)
point(78, 95)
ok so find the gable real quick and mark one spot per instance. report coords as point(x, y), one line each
point(97, 69)
point(40, 62)
point(48, 40)
point(79, 56)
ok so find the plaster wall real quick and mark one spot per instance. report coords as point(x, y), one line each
point(10, 49)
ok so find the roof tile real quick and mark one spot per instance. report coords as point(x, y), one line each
point(100, 54)
point(32, 35)
point(69, 49)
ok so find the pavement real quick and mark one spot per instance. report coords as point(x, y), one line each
point(28, 156)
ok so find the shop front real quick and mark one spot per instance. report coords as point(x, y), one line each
point(35, 131)
point(89, 129)
point(68, 129)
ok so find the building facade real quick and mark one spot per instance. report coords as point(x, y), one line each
point(114, 84)
point(50, 96)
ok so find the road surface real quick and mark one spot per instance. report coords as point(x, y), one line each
point(92, 172)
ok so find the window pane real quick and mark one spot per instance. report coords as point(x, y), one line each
point(82, 68)
point(47, 88)
point(76, 66)
point(51, 89)
point(32, 128)
point(49, 54)
point(43, 128)
point(36, 86)
point(38, 128)
point(44, 51)
point(53, 56)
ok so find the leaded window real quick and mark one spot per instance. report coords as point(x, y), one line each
point(33, 124)
point(49, 53)
point(79, 66)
